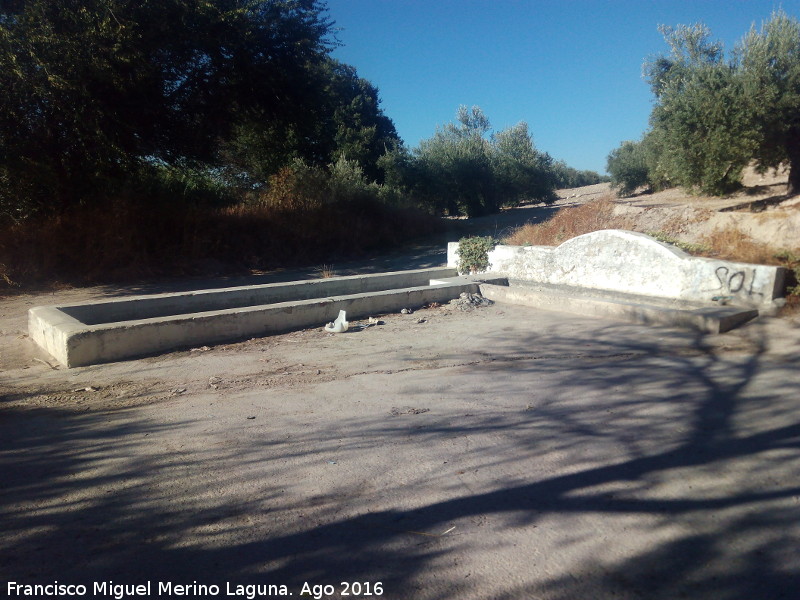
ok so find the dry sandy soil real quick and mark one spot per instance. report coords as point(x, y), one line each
point(499, 453)
point(761, 211)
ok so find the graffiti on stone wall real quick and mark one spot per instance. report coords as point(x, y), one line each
point(737, 281)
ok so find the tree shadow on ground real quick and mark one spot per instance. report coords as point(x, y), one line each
point(636, 422)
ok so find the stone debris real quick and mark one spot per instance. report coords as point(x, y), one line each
point(407, 410)
point(467, 301)
point(406, 311)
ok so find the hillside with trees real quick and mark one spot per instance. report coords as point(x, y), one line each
point(714, 114)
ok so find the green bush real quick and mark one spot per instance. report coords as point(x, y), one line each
point(791, 261)
point(628, 167)
point(297, 187)
point(473, 253)
point(347, 182)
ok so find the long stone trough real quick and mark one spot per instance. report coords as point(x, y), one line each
point(90, 333)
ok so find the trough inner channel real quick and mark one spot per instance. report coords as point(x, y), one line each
point(166, 305)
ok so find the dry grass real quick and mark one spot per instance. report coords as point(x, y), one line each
point(726, 244)
point(326, 271)
point(570, 222)
point(733, 244)
point(121, 241)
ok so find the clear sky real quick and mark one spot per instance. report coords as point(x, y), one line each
point(572, 69)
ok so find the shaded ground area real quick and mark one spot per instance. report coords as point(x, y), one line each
point(499, 453)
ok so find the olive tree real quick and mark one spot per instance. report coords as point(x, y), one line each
point(701, 123)
point(768, 61)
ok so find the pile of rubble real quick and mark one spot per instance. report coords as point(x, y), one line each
point(467, 301)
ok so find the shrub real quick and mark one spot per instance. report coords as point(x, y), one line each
point(473, 253)
point(628, 167)
point(347, 183)
point(298, 187)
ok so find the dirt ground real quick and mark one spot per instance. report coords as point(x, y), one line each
point(760, 210)
point(498, 453)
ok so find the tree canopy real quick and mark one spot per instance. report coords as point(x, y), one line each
point(95, 91)
point(714, 114)
point(466, 169)
point(768, 61)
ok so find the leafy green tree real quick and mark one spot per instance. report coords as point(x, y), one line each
point(712, 116)
point(463, 169)
point(521, 171)
point(702, 120)
point(768, 61)
point(705, 131)
point(343, 119)
point(361, 131)
point(94, 91)
point(456, 167)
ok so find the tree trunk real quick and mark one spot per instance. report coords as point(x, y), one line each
point(793, 189)
point(793, 151)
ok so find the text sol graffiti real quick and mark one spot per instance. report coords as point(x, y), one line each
point(733, 281)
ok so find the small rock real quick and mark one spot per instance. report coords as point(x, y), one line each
point(406, 311)
point(422, 320)
point(407, 410)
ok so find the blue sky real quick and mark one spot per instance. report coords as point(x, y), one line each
point(570, 68)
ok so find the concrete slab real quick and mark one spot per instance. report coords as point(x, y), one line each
point(625, 307)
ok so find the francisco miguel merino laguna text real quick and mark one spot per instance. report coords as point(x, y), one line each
point(163, 588)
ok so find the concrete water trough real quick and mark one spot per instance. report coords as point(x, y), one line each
point(97, 332)
point(633, 277)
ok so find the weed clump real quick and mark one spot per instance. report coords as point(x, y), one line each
point(473, 253)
